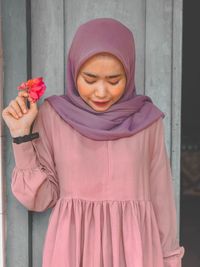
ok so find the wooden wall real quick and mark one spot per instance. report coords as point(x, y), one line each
point(36, 38)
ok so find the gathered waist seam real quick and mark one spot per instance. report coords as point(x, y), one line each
point(103, 200)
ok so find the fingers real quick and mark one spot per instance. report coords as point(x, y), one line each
point(23, 93)
point(21, 103)
point(12, 111)
point(17, 106)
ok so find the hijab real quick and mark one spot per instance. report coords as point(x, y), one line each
point(131, 113)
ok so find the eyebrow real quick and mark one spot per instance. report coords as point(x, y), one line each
point(95, 76)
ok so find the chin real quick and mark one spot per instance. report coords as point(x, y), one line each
point(96, 108)
point(99, 108)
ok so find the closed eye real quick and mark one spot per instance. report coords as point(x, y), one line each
point(114, 83)
point(90, 82)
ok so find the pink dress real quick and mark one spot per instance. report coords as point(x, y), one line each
point(113, 202)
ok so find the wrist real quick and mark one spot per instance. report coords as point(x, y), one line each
point(20, 132)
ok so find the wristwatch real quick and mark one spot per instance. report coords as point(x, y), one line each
point(25, 138)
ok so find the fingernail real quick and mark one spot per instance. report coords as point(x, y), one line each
point(24, 110)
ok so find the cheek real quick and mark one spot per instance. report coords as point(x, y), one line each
point(118, 91)
point(83, 89)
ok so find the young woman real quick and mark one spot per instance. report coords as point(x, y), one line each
point(100, 160)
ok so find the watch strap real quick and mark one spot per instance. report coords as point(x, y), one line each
point(25, 138)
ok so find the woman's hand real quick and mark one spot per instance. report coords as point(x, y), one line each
point(17, 115)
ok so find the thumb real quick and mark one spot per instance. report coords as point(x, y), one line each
point(33, 105)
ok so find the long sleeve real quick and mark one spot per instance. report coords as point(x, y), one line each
point(162, 196)
point(34, 179)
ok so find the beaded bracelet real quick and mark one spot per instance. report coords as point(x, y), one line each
point(25, 138)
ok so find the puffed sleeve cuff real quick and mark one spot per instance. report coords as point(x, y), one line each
point(25, 155)
point(174, 258)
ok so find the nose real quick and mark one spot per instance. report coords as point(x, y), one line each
point(100, 90)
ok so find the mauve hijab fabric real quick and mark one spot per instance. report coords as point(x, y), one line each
point(131, 113)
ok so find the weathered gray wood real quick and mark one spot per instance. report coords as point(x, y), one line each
point(2, 159)
point(48, 61)
point(163, 74)
point(131, 13)
point(15, 71)
point(158, 58)
point(156, 25)
point(48, 44)
point(176, 99)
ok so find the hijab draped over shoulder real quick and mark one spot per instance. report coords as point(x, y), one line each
point(131, 113)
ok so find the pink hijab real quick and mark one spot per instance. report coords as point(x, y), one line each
point(131, 113)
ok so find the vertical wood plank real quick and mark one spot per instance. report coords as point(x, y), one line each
point(48, 44)
point(131, 13)
point(48, 61)
point(176, 98)
point(163, 74)
point(2, 162)
point(15, 71)
point(158, 58)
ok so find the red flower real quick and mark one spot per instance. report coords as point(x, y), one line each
point(34, 87)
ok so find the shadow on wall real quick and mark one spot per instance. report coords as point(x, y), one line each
point(190, 154)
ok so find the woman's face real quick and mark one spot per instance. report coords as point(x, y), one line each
point(101, 81)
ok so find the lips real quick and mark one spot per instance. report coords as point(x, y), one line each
point(101, 103)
